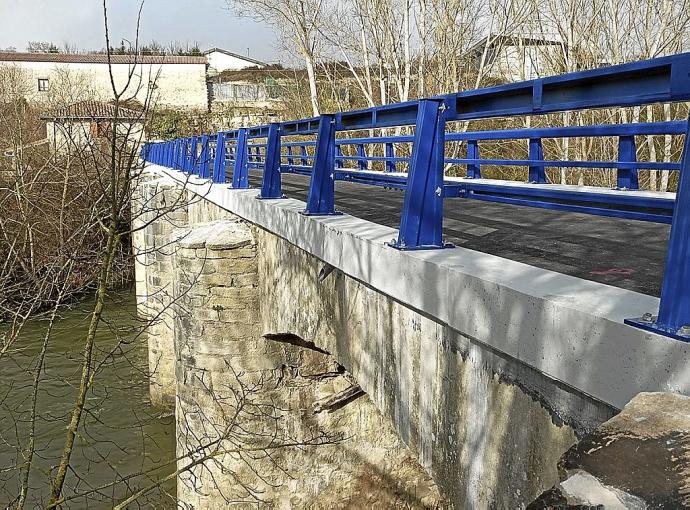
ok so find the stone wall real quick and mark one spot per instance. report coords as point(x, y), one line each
point(245, 400)
point(161, 207)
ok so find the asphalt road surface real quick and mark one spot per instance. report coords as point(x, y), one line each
point(619, 252)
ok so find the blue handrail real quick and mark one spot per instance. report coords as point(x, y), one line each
point(324, 160)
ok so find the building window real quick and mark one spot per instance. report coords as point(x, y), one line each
point(43, 85)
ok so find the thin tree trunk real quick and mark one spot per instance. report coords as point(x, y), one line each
point(667, 149)
point(652, 149)
point(87, 359)
point(26, 469)
point(309, 61)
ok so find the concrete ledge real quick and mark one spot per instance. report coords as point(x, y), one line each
point(569, 329)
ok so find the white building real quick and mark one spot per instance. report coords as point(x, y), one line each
point(220, 60)
point(171, 81)
point(81, 125)
point(515, 58)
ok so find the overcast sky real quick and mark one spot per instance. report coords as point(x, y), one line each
point(79, 22)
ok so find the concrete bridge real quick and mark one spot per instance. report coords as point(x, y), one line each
point(487, 360)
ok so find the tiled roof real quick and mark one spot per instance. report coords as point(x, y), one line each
point(98, 58)
point(92, 110)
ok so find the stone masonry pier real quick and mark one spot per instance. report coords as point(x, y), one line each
point(486, 369)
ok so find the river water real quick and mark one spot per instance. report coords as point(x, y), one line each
point(122, 434)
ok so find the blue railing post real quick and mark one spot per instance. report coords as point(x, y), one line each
point(219, 160)
point(184, 158)
point(175, 154)
point(303, 152)
point(178, 155)
point(187, 158)
point(673, 319)
point(290, 157)
point(339, 163)
point(389, 152)
point(536, 173)
point(240, 171)
point(421, 223)
point(204, 157)
point(474, 170)
point(190, 155)
point(321, 197)
point(361, 157)
point(627, 153)
point(271, 185)
point(193, 156)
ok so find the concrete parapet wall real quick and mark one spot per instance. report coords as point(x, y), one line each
point(569, 329)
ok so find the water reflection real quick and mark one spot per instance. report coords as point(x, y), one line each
point(122, 434)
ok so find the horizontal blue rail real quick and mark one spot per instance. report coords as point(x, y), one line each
point(415, 163)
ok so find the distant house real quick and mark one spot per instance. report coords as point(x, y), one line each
point(80, 125)
point(515, 58)
point(173, 81)
point(220, 60)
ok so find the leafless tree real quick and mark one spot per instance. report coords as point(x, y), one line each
point(297, 22)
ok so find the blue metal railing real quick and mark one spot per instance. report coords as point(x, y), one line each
point(326, 158)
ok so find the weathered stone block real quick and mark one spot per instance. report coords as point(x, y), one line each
point(638, 459)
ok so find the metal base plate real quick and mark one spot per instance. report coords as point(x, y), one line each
point(259, 197)
point(651, 325)
point(394, 244)
point(334, 213)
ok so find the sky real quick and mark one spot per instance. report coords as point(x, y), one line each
point(209, 22)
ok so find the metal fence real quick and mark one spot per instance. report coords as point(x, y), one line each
point(238, 92)
point(315, 147)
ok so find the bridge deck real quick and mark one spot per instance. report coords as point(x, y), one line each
point(624, 253)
